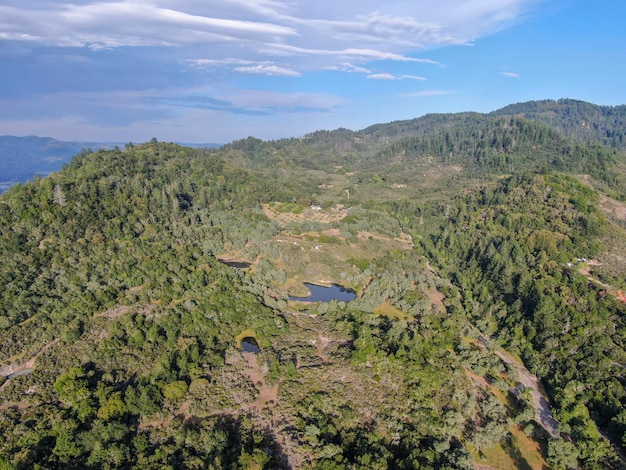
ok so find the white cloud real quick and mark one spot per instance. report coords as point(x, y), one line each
point(511, 74)
point(331, 32)
point(267, 69)
point(411, 77)
point(207, 63)
point(347, 67)
point(245, 66)
point(355, 54)
point(130, 23)
point(388, 76)
point(381, 76)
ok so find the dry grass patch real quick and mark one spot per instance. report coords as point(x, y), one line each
point(388, 310)
point(519, 452)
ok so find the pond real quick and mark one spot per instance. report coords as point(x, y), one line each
point(235, 263)
point(249, 344)
point(326, 293)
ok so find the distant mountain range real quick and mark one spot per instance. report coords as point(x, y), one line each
point(24, 157)
point(21, 158)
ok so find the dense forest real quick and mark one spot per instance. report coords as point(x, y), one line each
point(148, 320)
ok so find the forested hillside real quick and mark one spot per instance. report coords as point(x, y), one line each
point(151, 313)
point(578, 120)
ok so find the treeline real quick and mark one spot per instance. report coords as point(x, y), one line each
point(466, 147)
point(506, 145)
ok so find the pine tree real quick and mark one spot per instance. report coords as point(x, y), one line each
point(59, 196)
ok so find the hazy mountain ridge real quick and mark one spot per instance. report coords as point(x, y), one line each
point(24, 157)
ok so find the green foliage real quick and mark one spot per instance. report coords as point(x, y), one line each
point(506, 248)
point(562, 454)
point(175, 390)
point(578, 120)
point(110, 284)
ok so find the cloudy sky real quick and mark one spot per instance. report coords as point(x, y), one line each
point(215, 71)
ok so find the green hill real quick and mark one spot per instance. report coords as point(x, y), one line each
point(578, 120)
point(486, 251)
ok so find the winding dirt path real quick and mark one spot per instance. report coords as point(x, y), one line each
point(587, 268)
point(539, 396)
point(13, 369)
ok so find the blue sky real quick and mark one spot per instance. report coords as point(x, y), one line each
point(215, 71)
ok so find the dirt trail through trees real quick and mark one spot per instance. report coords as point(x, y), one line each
point(14, 369)
point(586, 269)
point(540, 402)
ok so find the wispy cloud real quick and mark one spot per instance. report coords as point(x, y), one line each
point(354, 54)
point(329, 30)
point(347, 67)
point(105, 25)
point(511, 74)
point(132, 65)
point(389, 76)
point(268, 69)
point(208, 63)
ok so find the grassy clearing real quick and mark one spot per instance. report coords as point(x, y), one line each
point(388, 310)
point(326, 256)
point(529, 449)
point(520, 452)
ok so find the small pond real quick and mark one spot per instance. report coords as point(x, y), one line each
point(326, 294)
point(235, 263)
point(249, 344)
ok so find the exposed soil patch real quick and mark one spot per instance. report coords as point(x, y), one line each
point(404, 238)
point(586, 269)
point(121, 310)
point(436, 299)
point(321, 344)
point(613, 208)
point(332, 232)
point(16, 405)
point(477, 379)
point(313, 214)
point(268, 394)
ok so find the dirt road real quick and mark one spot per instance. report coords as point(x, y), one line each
point(540, 402)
